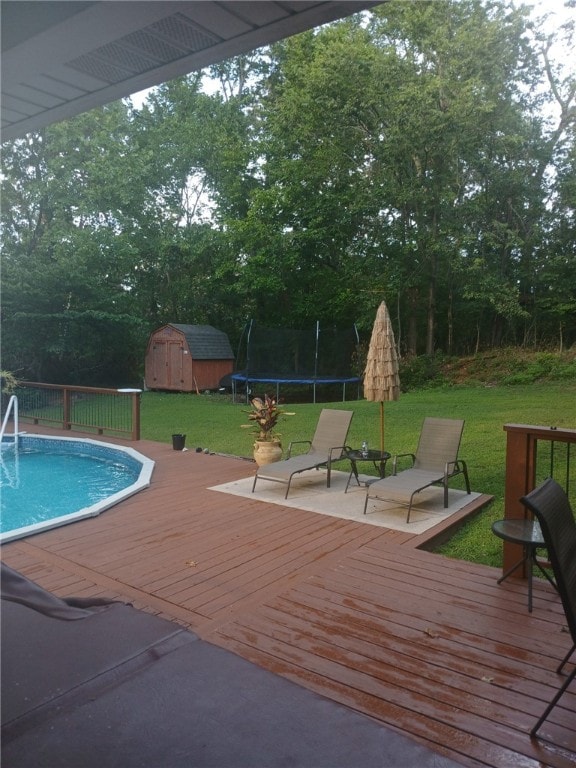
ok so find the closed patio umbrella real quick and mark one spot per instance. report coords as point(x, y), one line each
point(381, 379)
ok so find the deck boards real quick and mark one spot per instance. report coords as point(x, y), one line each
point(431, 647)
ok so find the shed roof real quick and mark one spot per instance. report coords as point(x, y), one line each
point(206, 342)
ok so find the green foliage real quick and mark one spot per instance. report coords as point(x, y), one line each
point(501, 367)
point(421, 371)
point(542, 366)
point(8, 383)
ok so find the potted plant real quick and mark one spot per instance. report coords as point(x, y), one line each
point(264, 418)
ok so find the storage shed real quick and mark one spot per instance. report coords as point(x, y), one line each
point(187, 358)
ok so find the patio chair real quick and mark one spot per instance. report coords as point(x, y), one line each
point(551, 507)
point(326, 446)
point(435, 461)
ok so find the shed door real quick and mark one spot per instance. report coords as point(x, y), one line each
point(175, 364)
point(167, 364)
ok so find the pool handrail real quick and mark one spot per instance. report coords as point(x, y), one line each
point(12, 408)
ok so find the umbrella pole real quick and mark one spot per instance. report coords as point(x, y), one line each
point(381, 427)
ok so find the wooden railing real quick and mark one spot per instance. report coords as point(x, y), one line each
point(90, 409)
point(532, 455)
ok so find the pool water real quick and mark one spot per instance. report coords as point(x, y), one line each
point(45, 481)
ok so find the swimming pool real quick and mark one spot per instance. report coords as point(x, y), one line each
point(48, 482)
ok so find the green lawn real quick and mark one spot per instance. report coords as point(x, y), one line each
point(214, 422)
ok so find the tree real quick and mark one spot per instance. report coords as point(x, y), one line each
point(64, 255)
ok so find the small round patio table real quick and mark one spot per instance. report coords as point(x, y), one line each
point(378, 458)
point(529, 535)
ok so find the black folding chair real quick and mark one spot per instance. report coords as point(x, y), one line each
point(551, 507)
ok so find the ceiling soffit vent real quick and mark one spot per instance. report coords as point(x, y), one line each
point(143, 50)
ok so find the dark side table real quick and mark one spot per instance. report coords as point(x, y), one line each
point(378, 458)
point(528, 534)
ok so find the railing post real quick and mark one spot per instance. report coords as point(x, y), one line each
point(136, 415)
point(520, 480)
point(67, 421)
point(135, 393)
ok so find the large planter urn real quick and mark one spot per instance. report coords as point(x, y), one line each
point(267, 451)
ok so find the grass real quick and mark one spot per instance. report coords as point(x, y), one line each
point(214, 422)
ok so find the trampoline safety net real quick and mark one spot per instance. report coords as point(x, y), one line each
point(289, 356)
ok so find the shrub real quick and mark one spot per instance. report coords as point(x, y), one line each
point(420, 372)
point(8, 383)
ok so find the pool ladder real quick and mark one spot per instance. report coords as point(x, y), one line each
point(12, 409)
point(10, 473)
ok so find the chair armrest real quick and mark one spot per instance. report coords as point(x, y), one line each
point(453, 468)
point(459, 467)
point(340, 448)
point(401, 456)
point(297, 442)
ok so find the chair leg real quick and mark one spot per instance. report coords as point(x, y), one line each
point(410, 507)
point(366, 502)
point(348, 483)
point(254, 484)
point(565, 659)
point(466, 478)
point(553, 703)
point(543, 571)
point(288, 488)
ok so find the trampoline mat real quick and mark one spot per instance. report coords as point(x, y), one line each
point(123, 689)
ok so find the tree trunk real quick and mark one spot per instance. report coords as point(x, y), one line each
point(450, 339)
point(412, 321)
point(430, 325)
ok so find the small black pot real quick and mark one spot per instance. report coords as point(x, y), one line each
point(178, 442)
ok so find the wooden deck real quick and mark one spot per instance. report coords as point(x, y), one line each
point(431, 647)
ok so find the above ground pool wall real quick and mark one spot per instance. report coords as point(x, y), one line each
point(139, 463)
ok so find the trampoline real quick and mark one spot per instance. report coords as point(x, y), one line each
point(284, 356)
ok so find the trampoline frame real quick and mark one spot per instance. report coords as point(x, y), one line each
point(248, 380)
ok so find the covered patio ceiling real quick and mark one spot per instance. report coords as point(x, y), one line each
point(63, 58)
